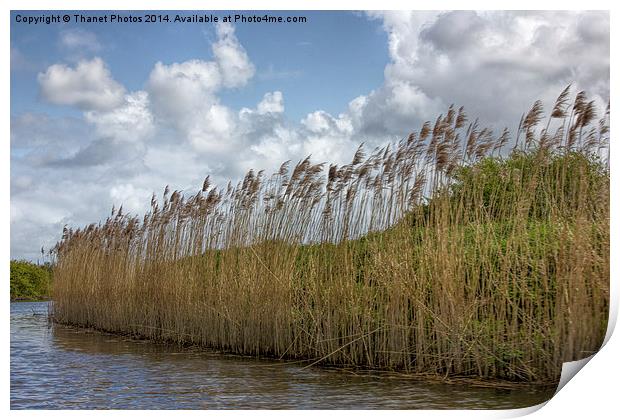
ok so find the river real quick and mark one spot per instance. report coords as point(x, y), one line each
point(59, 367)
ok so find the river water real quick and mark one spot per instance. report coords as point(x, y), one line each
point(58, 367)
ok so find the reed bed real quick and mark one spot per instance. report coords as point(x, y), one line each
point(453, 252)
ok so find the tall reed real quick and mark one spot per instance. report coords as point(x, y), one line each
point(442, 254)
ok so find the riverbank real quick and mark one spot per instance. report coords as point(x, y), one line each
point(33, 299)
point(430, 378)
point(147, 375)
point(434, 257)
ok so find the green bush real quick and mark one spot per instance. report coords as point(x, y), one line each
point(543, 182)
point(29, 281)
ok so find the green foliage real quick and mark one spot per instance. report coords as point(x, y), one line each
point(29, 281)
point(557, 181)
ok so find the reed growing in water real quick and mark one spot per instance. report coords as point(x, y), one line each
point(441, 254)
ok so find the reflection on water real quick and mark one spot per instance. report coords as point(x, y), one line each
point(60, 367)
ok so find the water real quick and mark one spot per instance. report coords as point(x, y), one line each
point(57, 367)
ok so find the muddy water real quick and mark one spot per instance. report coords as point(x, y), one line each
point(56, 367)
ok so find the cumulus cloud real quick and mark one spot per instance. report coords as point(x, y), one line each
point(184, 90)
point(185, 95)
point(213, 132)
point(272, 103)
point(88, 86)
point(130, 121)
point(234, 63)
point(180, 90)
point(495, 63)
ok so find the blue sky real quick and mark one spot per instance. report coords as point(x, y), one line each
point(105, 114)
point(347, 49)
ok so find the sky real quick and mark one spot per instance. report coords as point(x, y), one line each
point(107, 114)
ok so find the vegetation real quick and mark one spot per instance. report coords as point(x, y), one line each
point(30, 281)
point(432, 256)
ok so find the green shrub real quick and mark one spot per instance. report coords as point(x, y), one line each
point(29, 281)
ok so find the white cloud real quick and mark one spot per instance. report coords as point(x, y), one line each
point(184, 95)
point(234, 63)
point(181, 90)
point(186, 91)
point(272, 103)
point(88, 86)
point(135, 200)
point(317, 122)
point(495, 63)
point(79, 40)
point(213, 132)
point(131, 121)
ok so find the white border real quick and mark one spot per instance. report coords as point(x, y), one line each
point(591, 394)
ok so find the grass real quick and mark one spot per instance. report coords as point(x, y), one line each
point(439, 255)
